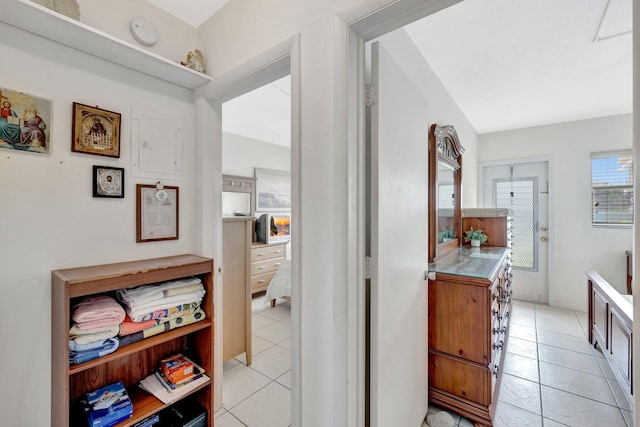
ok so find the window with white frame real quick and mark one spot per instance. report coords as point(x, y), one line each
point(612, 188)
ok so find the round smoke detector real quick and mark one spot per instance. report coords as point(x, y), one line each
point(143, 32)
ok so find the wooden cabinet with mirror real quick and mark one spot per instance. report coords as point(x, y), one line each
point(445, 178)
point(238, 193)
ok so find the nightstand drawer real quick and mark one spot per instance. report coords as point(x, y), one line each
point(262, 281)
point(259, 253)
point(267, 266)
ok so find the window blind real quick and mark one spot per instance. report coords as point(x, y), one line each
point(612, 188)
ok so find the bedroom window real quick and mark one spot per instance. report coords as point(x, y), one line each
point(612, 188)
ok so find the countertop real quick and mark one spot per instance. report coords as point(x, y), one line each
point(470, 262)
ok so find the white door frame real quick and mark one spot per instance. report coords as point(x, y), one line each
point(357, 26)
point(551, 267)
point(274, 63)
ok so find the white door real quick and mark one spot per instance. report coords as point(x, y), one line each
point(398, 246)
point(523, 187)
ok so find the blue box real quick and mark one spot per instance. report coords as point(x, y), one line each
point(108, 405)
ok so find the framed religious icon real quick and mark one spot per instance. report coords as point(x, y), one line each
point(95, 131)
point(108, 181)
point(156, 212)
point(25, 122)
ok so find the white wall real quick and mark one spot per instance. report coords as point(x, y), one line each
point(50, 219)
point(443, 109)
point(240, 155)
point(240, 32)
point(575, 245)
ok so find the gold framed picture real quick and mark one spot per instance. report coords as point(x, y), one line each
point(95, 131)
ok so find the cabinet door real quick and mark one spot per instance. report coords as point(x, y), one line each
point(600, 329)
point(459, 320)
point(620, 345)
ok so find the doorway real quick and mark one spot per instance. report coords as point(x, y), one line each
point(274, 63)
point(524, 189)
point(256, 153)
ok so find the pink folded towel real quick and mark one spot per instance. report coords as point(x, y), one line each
point(97, 312)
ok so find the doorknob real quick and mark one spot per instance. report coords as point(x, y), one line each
point(543, 228)
point(543, 238)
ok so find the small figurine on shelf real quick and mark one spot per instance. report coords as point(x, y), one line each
point(195, 61)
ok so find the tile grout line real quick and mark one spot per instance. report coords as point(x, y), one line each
point(535, 320)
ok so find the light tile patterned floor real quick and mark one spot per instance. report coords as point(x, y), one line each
point(260, 395)
point(551, 377)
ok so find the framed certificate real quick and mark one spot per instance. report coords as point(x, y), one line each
point(156, 213)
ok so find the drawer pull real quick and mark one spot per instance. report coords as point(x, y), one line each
point(261, 281)
point(260, 253)
point(278, 264)
point(261, 267)
point(277, 251)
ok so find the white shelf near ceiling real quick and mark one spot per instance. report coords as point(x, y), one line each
point(69, 32)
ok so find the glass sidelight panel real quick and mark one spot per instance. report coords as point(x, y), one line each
point(520, 195)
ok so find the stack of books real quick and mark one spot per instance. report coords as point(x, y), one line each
point(176, 376)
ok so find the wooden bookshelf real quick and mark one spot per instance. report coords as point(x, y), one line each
point(133, 362)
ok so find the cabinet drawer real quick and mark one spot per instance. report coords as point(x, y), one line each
point(457, 376)
point(259, 253)
point(262, 281)
point(267, 266)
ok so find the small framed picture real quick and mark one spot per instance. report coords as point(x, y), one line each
point(95, 131)
point(108, 181)
point(156, 212)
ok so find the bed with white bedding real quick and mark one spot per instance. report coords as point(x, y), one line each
point(280, 286)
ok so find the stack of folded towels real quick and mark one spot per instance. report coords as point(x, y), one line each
point(160, 307)
point(94, 330)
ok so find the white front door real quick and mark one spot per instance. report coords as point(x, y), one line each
point(523, 188)
point(398, 246)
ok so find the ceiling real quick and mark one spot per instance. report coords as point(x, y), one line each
point(193, 12)
point(519, 63)
point(507, 63)
point(263, 114)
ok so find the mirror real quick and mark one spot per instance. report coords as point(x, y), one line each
point(446, 204)
point(236, 204)
point(238, 194)
point(445, 178)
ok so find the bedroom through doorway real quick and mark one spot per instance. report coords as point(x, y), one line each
point(257, 232)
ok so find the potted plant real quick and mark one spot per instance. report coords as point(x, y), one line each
point(446, 235)
point(475, 237)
